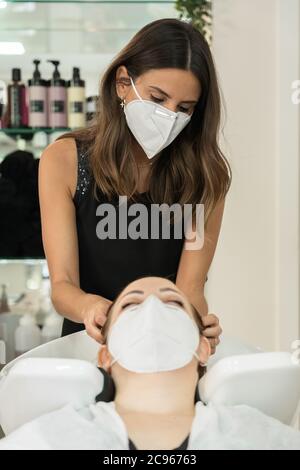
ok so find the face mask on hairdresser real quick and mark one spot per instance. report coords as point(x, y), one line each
point(153, 125)
point(153, 337)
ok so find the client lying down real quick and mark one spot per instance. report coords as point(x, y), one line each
point(154, 352)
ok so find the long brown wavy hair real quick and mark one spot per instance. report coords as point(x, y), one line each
point(192, 169)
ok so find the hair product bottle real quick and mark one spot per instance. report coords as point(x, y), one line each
point(91, 107)
point(57, 99)
point(27, 335)
point(17, 106)
point(4, 307)
point(52, 327)
point(2, 102)
point(37, 92)
point(76, 100)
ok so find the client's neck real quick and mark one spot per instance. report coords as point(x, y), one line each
point(168, 393)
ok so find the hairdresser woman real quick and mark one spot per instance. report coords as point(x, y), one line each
point(153, 140)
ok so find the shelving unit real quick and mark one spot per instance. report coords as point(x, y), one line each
point(31, 131)
point(82, 33)
point(24, 139)
point(79, 33)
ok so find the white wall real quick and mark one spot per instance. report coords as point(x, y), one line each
point(250, 285)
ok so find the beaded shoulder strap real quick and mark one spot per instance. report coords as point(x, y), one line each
point(83, 172)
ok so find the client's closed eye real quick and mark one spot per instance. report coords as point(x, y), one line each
point(176, 302)
point(128, 304)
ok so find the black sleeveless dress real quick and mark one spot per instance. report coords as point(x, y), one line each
point(182, 446)
point(107, 266)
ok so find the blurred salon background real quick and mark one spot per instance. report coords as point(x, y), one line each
point(253, 282)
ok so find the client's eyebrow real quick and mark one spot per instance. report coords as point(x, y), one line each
point(133, 292)
point(165, 289)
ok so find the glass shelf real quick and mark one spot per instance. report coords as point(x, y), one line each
point(32, 140)
point(33, 261)
point(29, 130)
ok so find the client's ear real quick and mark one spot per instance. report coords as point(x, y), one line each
point(204, 350)
point(104, 358)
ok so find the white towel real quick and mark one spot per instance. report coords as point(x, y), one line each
point(99, 427)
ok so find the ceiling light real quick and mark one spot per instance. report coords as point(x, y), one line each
point(11, 48)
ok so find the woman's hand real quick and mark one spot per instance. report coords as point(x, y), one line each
point(94, 317)
point(212, 330)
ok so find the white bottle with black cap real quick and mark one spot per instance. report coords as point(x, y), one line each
point(76, 100)
point(57, 99)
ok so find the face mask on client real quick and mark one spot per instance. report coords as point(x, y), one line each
point(153, 125)
point(153, 337)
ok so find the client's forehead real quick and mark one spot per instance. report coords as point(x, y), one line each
point(142, 288)
point(149, 284)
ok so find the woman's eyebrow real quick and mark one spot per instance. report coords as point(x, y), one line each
point(166, 94)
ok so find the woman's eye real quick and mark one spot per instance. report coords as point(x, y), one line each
point(157, 100)
point(160, 100)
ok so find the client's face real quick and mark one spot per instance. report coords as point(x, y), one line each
point(156, 300)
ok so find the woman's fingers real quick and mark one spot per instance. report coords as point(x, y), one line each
point(212, 332)
point(210, 319)
point(213, 344)
point(95, 319)
point(211, 325)
point(94, 331)
point(99, 319)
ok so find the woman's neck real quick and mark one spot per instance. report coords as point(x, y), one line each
point(165, 393)
point(140, 156)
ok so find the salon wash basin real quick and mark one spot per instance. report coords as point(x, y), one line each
point(63, 371)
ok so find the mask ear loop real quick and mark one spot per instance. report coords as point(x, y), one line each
point(198, 359)
point(113, 362)
point(123, 103)
point(133, 85)
point(202, 364)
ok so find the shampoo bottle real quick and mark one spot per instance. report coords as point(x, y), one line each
point(57, 99)
point(27, 335)
point(37, 91)
point(17, 103)
point(76, 100)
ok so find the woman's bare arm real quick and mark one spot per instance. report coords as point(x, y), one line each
point(193, 269)
point(57, 183)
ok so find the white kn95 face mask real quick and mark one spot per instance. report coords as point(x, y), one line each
point(153, 125)
point(153, 337)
